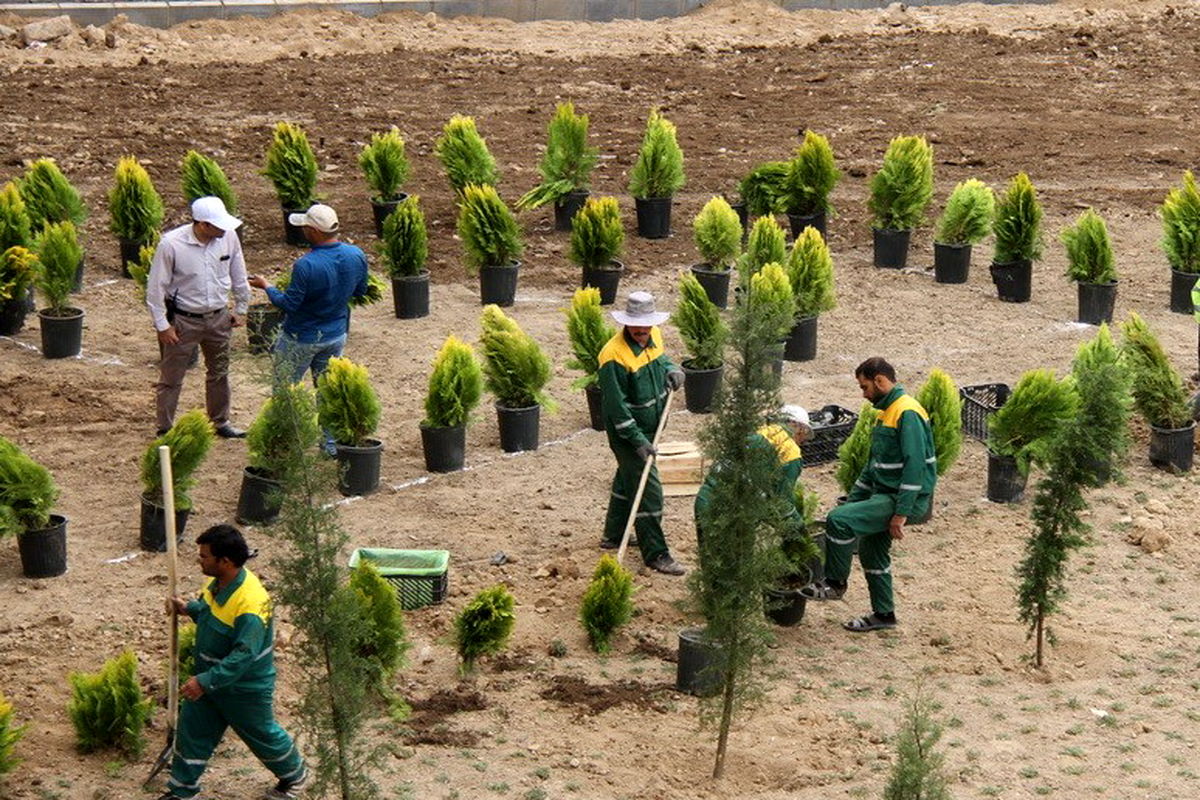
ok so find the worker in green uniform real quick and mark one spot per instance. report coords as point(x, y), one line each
point(636, 378)
point(896, 483)
point(235, 673)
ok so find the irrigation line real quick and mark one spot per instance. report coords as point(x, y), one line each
point(108, 361)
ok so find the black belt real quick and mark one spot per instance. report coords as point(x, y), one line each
point(195, 315)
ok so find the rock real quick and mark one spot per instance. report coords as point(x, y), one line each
point(47, 30)
point(7, 32)
point(1146, 524)
point(1157, 507)
point(61, 619)
point(426, 654)
point(543, 604)
point(895, 15)
point(1155, 541)
point(93, 36)
point(110, 39)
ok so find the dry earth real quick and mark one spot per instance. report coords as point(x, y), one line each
point(1098, 104)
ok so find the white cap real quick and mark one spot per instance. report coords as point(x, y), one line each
point(795, 415)
point(212, 211)
point(318, 216)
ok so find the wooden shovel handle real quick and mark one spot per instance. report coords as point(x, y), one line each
point(637, 498)
point(168, 483)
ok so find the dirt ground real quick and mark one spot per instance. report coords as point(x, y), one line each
point(1097, 103)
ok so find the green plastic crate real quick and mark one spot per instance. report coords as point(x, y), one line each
point(420, 577)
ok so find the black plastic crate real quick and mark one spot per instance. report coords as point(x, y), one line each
point(980, 402)
point(420, 577)
point(830, 426)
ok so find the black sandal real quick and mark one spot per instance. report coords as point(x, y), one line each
point(870, 622)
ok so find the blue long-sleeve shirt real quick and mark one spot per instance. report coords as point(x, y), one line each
point(323, 281)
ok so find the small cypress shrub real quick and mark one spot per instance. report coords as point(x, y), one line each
point(699, 323)
point(464, 155)
point(658, 171)
point(597, 235)
point(903, 187)
point(489, 231)
point(108, 708)
point(134, 206)
point(810, 269)
point(49, 196)
point(1018, 224)
point(385, 642)
point(189, 439)
point(941, 400)
point(140, 270)
point(767, 244)
point(1180, 214)
point(812, 174)
point(1157, 388)
point(27, 492)
point(10, 734)
point(1105, 388)
point(968, 215)
point(291, 166)
point(405, 245)
point(18, 269)
point(763, 188)
point(856, 450)
point(567, 163)
point(283, 423)
point(918, 771)
point(376, 290)
point(455, 385)
point(607, 603)
point(187, 651)
point(515, 370)
point(718, 234)
point(347, 405)
point(771, 299)
point(15, 227)
point(588, 332)
point(1035, 413)
point(484, 626)
point(59, 252)
point(201, 176)
point(1089, 252)
point(384, 164)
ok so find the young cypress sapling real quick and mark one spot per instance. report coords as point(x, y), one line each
point(941, 400)
point(588, 332)
point(1180, 214)
point(405, 244)
point(515, 369)
point(1157, 387)
point(1103, 383)
point(385, 642)
point(1025, 426)
point(699, 323)
point(201, 176)
point(567, 163)
point(18, 269)
point(49, 196)
point(968, 215)
point(134, 205)
point(15, 227)
point(384, 165)
point(810, 269)
point(455, 385)
point(856, 450)
point(658, 171)
point(596, 234)
point(189, 439)
point(488, 229)
point(812, 174)
point(718, 234)
point(1089, 252)
point(464, 155)
point(1018, 223)
point(484, 626)
point(108, 708)
point(291, 166)
point(607, 603)
point(59, 253)
point(10, 734)
point(347, 405)
point(763, 188)
point(767, 244)
point(281, 424)
point(771, 299)
point(918, 772)
point(902, 188)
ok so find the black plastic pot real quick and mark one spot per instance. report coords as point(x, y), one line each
point(1173, 449)
point(801, 344)
point(595, 409)
point(359, 467)
point(262, 326)
point(445, 448)
point(382, 210)
point(1014, 280)
point(12, 316)
point(518, 427)
point(951, 262)
point(653, 217)
point(1181, 290)
point(606, 279)
point(567, 207)
point(153, 532)
point(77, 286)
point(498, 285)
point(700, 387)
point(784, 607)
point(44, 551)
point(1005, 483)
point(715, 283)
point(700, 670)
point(62, 336)
point(293, 234)
point(1096, 301)
point(798, 222)
point(891, 247)
point(259, 500)
point(410, 296)
point(130, 249)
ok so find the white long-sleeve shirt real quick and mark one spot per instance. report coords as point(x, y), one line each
point(199, 276)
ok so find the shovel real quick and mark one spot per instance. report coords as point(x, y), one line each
point(168, 482)
point(637, 498)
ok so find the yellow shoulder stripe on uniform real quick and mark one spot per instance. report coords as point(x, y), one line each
point(782, 441)
point(617, 349)
point(890, 418)
point(250, 598)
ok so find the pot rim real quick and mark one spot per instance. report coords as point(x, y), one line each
point(72, 313)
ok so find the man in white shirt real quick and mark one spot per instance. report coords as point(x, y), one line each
point(195, 267)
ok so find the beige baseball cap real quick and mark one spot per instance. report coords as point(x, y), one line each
point(318, 216)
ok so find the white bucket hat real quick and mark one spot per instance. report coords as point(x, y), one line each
point(212, 210)
point(639, 311)
point(318, 216)
point(796, 415)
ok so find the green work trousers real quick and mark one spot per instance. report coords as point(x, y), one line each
point(202, 723)
point(649, 518)
point(867, 521)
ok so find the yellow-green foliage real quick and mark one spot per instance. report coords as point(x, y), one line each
point(810, 269)
point(285, 427)
point(291, 166)
point(18, 269)
point(771, 298)
point(607, 603)
point(347, 404)
point(1035, 413)
point(588, 332)
point(515, 369)
point(1181, 225)
point(384, 164)
point(1018, 224)
point(484, 626)
point(385, 641)
point(856, 450)
point(718, 234)
point(1105, 400)
point(762, 189)
point(59, 252)
point(405, 245)
point(27, 492)
point(812, 174)
point(140, 270)
point(464, 155)
point(189, 439)
point(108, 708)
point(201, 176)
point(658, 171)
point(968, 215)
point(49, 196)
point(187, 651)
point(699, 323)
point(455, 385)
point(134, 206)
point(15, 228)
point(940, 399)
point(488, 229)
point(376, 289)
point(568, 161)
point(1089, 251)
point(596, 233)
point(767, 245)
point(1157, 388)
point(10, 734)
point(903, 187)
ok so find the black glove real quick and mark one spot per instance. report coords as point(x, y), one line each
point(675, 379)
point(645, 451)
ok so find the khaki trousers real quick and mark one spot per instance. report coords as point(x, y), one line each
point(212, 334)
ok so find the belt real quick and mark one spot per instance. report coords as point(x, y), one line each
point(198, 315)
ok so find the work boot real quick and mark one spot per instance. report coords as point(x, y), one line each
point(287, 790)
point(666, 565)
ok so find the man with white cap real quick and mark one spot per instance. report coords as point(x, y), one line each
point(636, 378)
point(195, 268)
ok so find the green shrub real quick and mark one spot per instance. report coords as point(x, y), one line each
point(767, 245)
point(376, 290)
point(658, 171)
point(810, 269)
point(108, 708)
point(27, 492)
point(812, 174)
point(484, 626)
point(489, 231)
point(1018, 224)
point(941, 400)
point(285, 427)
point(201, 176)
point(384, 164)
point(464, 155)
point(762, 189)
point(1089, 252)
point(515, 370)
point(1035, 413)
point(49, 196)
point(918, 773)
point(1181, 225)
point(568, 161)
point(856, 450)
point(15, 228)
point(189, 439)
point(405, 245)
point(718, 234)
point(291, 166)
point(588, 332)
point(187, 650)
point(347, 405)
point(1105, 400)
point(607, 603)
point(903, 187)
point(1157, 388)
point(134, 206)
point(968, 215)
point(10, 734)
point(798, 545)
point(597, 236)
point(700, 325)
point(19, 268)
point(771, 299)
point(59, 252)
point(455, 385)
point(140, 270)
point(385, 642)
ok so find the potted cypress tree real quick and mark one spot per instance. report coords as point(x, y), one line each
point(464, 155)
point(766, 244)
point(900, 192)
point(1180, 214)
point(348, 409)
point(812, 174)
point(385, 167)
point(135, 210)
point(189, 439)
point(597, 238)
point(774, 305)
point(588, 332)
point(810, 269)
point(27, 497)
point(656, 176)
point(940, 399)
point(718, 236)
point(1090, 264)
point(1105, 388)
point(515, 371)
point(455, 387)
point(1159, 397)
point(263, 319)
point(566, 167)
point(854, 452)
point(965, 222)
point(1018, 229)
point(62, 325)
point(15, 229)
point(18, 268)
point(50, 197)
point(492, 241)
point(201, 176)
point(404, 250)
point(286, 425)
point(291, 166)
point(699, 323)
point(1021, 431)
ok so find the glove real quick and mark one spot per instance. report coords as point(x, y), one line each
point(645, 451)
point(675, 379)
